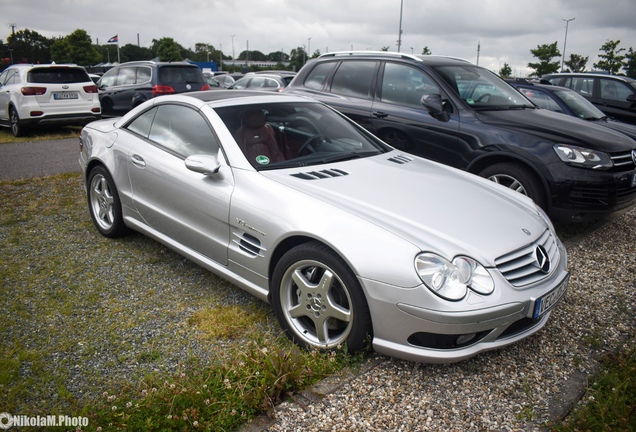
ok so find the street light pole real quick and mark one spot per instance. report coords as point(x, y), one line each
point(308, 48)
point(567, 21)
point(233, 58)
point(399, 41)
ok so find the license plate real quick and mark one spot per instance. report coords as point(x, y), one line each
point(547, 302)
point(634, 180)
point(65, 95)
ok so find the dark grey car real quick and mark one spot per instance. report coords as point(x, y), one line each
point(130, 84)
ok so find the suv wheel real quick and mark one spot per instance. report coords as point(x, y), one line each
point(518, 178)
point(16, 127)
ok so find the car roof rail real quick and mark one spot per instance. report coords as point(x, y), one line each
point(390, 54)
point(372, 53)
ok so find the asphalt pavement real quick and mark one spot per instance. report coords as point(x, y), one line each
point(38, 158)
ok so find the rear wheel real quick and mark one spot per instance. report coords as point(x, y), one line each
point(518, 178)
point(16, 126)
point(104, 204)
point(318, 300)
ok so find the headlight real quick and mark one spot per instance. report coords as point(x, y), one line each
point(451, 280)
point(582, 157)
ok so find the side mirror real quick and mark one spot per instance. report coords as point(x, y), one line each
point(433, 103)
point(203, 164)
point(632, 98)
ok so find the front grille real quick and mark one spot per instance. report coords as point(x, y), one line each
point(601, 198)
point(523, 266)
point(623, 161)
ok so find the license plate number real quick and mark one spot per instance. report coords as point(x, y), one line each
point(65, 95)
point(547, 302)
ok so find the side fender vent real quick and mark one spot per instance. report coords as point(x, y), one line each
point(323, 174)
point(248, 244)
point(401, 159)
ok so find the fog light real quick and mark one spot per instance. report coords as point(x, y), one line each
point(464, 339)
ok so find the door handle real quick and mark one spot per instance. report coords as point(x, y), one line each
point(138, 161)
point(380, 114)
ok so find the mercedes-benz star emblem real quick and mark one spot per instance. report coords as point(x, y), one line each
point(542, 258)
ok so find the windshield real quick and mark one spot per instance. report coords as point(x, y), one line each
point(482, 89)
point(283, 135)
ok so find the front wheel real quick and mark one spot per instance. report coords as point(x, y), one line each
point(104, 204)
point(318, 300)
point(518, 178)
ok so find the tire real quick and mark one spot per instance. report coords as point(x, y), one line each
point(104, 204)
point(16, 126)
point(318, 300)
point(518, 178)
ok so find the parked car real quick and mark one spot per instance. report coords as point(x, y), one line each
point(350, 240)
point(34, 95)
point(452, 111)
point(261, 81)
point(563, 100)
point(128, 85)
point(612, 94)
point(226, 80)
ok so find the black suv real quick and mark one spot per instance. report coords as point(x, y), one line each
point(129, 84)
point(612, 94)
point(452, 111)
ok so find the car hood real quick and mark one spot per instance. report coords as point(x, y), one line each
point(558, 128)
point(433, 206)
point(624, 128)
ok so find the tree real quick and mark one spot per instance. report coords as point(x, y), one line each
point(252, 56)
point(384, 48)
point(277, 56)
point(130, 52)
point(297, 58)
point(505, 71)
point(612, 61)
point(630, 64)
point(576, 63)
point(167, 49)
point(75, 48)
point(29, 47)
point(545, 53)
point(426, 51)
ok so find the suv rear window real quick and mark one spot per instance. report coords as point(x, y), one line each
point(57, 76)
point(180, 75)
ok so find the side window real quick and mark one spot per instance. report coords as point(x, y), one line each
point(143, 74)
point(584, 86)
point(353, 78)
point(270, 83)
point(182, 131)
point(109, 79)
point(141, 125)
point(3, 76)
point(127, 76)
point(405, 85)
point(257, 82)
point(316, 78)
point(614, 90)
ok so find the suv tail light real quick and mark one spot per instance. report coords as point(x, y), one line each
point(90, 89)
point(33, 91)
point(162, 89)
point(205, 87)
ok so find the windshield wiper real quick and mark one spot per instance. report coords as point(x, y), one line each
point(348, 156)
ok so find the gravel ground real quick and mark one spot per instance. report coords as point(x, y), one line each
point(520, 388)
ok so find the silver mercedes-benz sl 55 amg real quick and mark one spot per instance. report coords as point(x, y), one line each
point(350, 240)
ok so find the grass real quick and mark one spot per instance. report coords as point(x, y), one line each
point(609, 403)
point(39, 134)
point(126, 332)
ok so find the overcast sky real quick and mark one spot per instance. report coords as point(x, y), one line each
point(506, 31)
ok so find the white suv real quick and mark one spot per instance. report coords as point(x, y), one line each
point(32, 95)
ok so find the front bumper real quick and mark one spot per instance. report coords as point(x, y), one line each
point(416, 325)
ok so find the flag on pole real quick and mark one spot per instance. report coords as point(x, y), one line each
point(113, 40)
